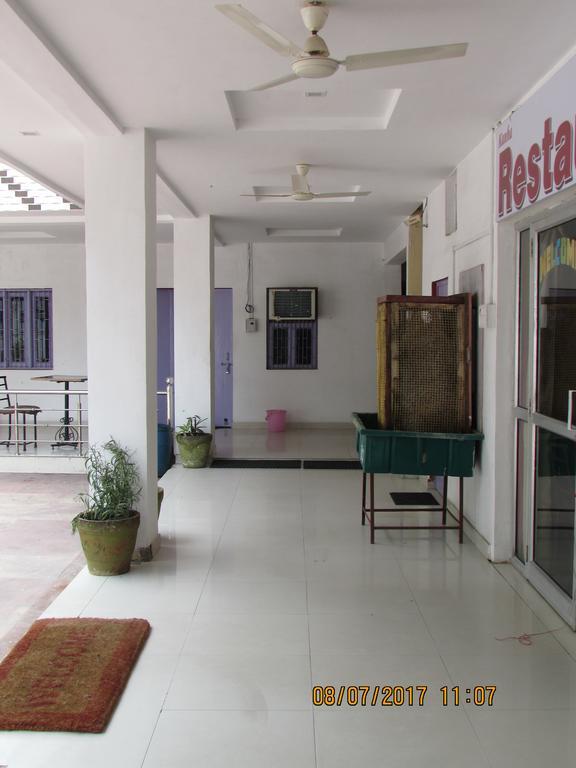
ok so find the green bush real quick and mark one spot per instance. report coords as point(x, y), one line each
point(114, 485)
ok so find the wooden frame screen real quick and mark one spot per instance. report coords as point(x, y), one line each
point(424, 362)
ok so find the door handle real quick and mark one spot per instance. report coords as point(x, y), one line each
point(571, 393)
point(228, 367)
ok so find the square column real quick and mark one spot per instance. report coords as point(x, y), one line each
point(193, 316)
point(120, 184)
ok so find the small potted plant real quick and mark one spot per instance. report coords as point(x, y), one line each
point(194, 443)
point(108, 524)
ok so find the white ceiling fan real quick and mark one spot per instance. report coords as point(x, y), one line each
point(313, 59)
point(301, 191)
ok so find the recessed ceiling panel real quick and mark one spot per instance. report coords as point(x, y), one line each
point(312, 109)
point(24, 234)
point(304, 233)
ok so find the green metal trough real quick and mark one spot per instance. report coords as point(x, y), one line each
point(413, 453)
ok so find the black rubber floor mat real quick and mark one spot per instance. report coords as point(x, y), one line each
point(410, 499)
point(256, 464)
point(327, 464)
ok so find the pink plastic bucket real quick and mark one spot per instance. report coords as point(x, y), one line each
point(276, 421)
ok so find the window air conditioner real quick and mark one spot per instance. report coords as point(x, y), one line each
point(292, 303)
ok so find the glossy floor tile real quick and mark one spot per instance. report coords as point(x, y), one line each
point(258, 443)
point(262, 681)
point(267, 585)
point(397, 737)
point(225, 739)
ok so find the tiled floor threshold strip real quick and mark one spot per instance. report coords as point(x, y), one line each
point(283, 464)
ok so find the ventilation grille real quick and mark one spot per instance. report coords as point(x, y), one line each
point(292, 303)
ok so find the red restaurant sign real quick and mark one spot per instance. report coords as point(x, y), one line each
point(536, 146)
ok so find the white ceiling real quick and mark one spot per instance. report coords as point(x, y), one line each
point(168, 65)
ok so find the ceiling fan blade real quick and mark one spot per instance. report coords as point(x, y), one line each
point(299, 183)
point(326, 195)
point(404, 56)
point(274, 83)
point(287, 195)
point(259, 29)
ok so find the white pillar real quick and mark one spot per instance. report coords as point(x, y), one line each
point(120, 185)
point(193, 345)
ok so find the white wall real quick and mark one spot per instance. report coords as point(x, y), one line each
point(396, 242)
point(165, 265)
point(349, 277)
point(448, 256)
point(61, 268)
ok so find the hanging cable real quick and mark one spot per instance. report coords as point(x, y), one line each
point(249, 306)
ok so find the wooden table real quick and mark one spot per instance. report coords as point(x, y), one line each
point(66, 435)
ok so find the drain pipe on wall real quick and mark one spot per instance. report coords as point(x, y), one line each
point(251, 322)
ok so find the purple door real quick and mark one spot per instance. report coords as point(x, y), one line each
point(440, 287)
point(223, 356)
point(165, 329)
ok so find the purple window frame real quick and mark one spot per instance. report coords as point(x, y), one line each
point(29, 359)
point(291, 326)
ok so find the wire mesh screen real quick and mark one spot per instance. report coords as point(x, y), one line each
point(381, 360)
point(423, 366)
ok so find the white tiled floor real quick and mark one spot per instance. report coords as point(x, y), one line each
point(266, 584)
point(258, 443)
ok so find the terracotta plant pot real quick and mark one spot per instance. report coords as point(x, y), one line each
point(194, 449)
point(109, 544)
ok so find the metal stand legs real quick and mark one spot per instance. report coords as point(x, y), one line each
point(368, 513)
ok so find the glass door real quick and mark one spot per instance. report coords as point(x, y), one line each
point(545, 435)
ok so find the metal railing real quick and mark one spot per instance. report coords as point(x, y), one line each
point(169, 395)
point(22, 428)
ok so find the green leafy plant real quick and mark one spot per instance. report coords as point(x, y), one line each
point(114, 485)
point(192, 426)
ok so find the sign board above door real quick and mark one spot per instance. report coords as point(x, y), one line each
point(535, 146)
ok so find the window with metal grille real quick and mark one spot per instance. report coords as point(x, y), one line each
point(292, 345)
point(26, 328)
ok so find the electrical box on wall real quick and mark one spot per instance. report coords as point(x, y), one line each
point(251, 324)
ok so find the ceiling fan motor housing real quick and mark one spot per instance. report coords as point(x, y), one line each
point(314, 15)
point(317, 62)
point(315, 46)
point(315, 66)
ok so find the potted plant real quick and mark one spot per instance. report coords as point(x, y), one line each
point(194, 443)
point(108, 524)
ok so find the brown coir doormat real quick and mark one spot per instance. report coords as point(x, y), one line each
point(68, 674)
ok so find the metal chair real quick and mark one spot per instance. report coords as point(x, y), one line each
point(9, 410)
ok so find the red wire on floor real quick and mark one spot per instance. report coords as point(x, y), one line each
point(526, 638)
